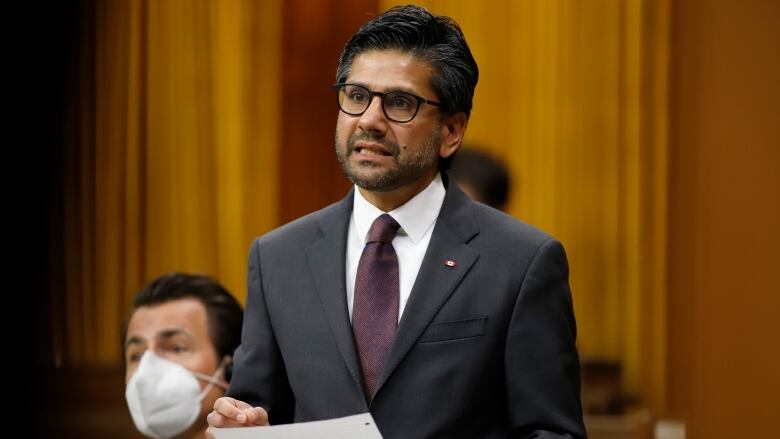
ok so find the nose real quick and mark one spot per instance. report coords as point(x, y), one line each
point(373, 120)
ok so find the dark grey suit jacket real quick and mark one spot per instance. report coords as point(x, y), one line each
point(484, 349)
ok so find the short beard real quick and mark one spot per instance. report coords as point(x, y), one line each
point(407, 169)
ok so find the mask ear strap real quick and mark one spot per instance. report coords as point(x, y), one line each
point(213, 379)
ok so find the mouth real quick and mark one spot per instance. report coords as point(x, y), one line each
point(371, 149)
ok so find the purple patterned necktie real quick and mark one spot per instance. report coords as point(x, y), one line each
point(375, 309)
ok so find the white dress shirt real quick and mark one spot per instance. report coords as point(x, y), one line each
point(416, 217)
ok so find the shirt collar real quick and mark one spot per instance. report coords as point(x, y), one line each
point(415, 216)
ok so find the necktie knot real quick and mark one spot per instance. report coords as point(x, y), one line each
point(383, 229)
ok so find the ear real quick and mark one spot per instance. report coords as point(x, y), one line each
point(453, 128)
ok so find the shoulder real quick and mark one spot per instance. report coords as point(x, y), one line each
point(306, 229)
point(504, 234)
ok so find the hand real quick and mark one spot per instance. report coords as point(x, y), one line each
point(229, 412)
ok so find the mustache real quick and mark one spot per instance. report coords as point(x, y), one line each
point(391, 147)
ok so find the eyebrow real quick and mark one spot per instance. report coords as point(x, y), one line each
point(389, 90)
point(170, 333)
point(134, 340)
point(164, 335)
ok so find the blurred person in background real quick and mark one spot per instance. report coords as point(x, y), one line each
point(178, 351)
point(483, 178)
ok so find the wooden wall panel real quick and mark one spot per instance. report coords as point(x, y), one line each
point(313, 35)
point(724, 268)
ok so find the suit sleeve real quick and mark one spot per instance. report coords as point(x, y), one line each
point(259, 376)
point(542, 365)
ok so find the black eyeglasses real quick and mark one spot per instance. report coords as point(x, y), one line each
point(398, 106)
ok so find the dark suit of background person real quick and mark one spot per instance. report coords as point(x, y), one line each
point(485, 345)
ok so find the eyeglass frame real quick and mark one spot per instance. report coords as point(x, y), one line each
point(420, 100)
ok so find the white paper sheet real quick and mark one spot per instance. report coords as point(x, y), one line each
point(350, 427)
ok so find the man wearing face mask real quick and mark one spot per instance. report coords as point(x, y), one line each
point(178, 342)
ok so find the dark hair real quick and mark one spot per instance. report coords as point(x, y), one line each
point(223, 311)
point(434, 38)
point(486, 175)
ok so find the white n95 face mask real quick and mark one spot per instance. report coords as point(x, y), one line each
point(164, 398)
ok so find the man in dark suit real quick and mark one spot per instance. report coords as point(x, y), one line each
point(440, 316)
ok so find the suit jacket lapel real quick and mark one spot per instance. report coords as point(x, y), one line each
point(435, 281)
point(327, 264)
